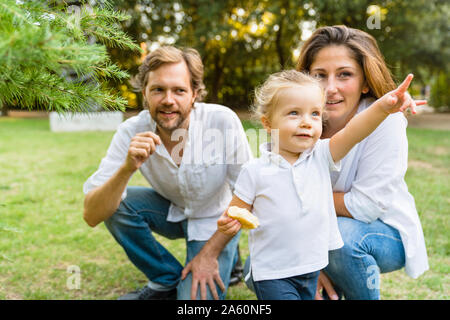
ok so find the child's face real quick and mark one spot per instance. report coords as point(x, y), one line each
point(298, 117)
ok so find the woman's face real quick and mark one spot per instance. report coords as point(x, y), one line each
point(343, 80)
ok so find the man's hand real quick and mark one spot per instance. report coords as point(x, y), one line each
point(205, 271)
point(141, 147)
point(325, 284)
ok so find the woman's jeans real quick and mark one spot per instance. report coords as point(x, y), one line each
point(302, 287)
point(144, 211)
point(369, 249)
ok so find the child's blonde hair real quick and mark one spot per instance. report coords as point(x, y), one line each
point(266, 95)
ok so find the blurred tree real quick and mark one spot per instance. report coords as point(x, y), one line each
point(412, 34)
point(240, 41)
point(440, 89)
point(44, 43)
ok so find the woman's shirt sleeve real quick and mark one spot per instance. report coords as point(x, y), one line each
point(380, 171)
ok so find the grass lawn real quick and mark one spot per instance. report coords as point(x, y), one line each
point(42, 233)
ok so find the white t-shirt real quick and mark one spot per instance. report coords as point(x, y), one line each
point(372, 176)
point(295, 208)
point(200, 188)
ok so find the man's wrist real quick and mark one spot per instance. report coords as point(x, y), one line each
point(126, 170)
point(215, 245)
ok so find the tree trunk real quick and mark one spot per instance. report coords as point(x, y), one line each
point(3, 110)
point(278, 43)
point(217, 77)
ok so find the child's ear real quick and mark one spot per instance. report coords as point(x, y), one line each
point(266, 123)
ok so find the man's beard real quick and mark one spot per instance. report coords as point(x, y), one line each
point(170, 125)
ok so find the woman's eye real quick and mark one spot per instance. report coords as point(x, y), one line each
point(319, 75)
point(345, 74)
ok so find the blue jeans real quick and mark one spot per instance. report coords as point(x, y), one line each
point(302, 287)
point(144, 211)
point(369, 249)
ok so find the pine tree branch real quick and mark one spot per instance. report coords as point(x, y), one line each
point(34, 61)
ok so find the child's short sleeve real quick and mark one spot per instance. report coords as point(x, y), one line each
point(324, 149)
point(245, 187)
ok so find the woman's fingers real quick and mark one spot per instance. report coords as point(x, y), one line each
point(325, 283)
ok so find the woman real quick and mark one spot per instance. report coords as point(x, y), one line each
point(377, 216)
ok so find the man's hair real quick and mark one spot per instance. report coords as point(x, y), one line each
point(170, 54)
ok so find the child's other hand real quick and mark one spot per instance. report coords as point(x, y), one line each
point(399, 99)
point(227, 225)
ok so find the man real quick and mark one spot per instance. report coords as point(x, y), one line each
point(190, 153)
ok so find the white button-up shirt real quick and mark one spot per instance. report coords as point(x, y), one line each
point(372, 176)
point(200, 188)
point(295, 208)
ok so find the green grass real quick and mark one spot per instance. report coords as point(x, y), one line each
point(42, 232)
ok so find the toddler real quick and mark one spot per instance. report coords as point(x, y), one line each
point(289, 189)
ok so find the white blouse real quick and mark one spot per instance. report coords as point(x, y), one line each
point(372, 177)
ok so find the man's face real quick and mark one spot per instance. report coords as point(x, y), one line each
point(169, 96)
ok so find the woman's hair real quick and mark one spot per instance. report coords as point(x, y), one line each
point(362, 46)
point(267, 94)
point(170, 54)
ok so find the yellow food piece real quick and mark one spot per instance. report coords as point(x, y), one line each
point(247, 220)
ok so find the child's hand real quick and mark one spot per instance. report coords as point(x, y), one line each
point(227, 225)
point(399, 99)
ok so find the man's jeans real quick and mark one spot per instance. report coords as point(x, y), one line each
point(144, 211)
point(369, 249)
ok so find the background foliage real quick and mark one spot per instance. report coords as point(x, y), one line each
point(243, 41)
point(53, 55)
